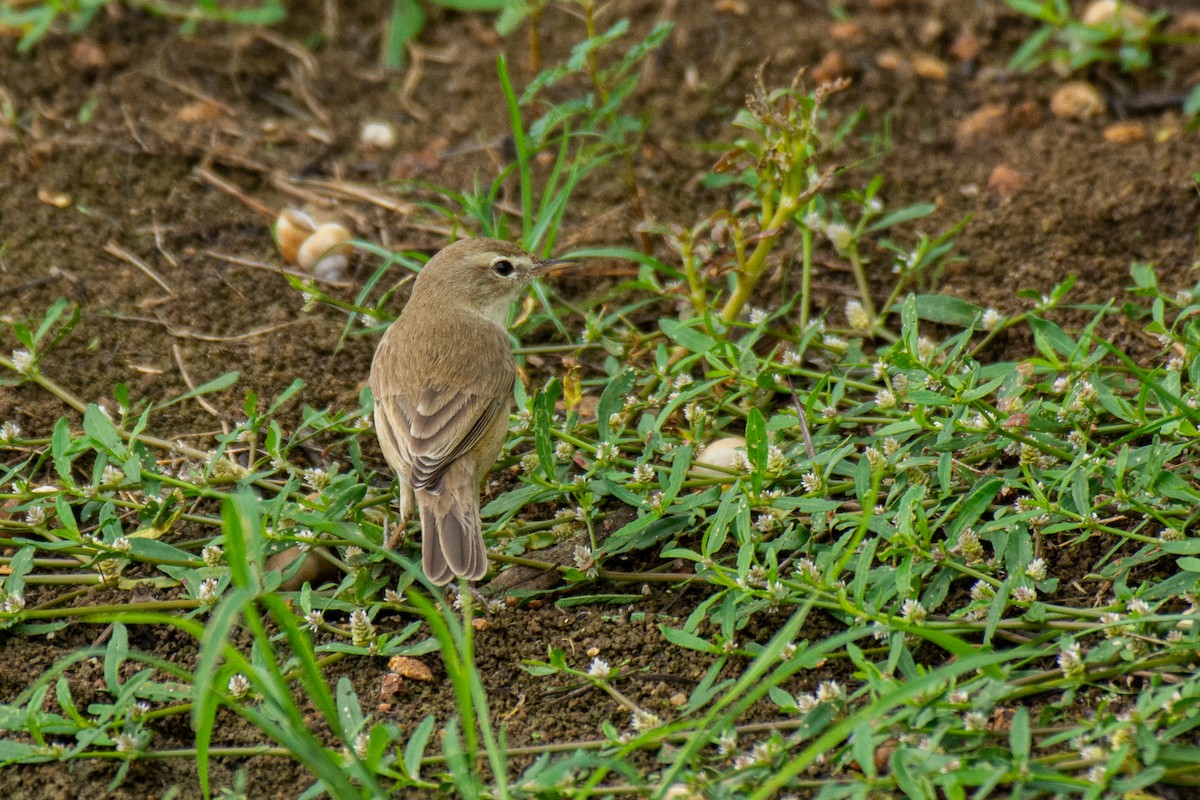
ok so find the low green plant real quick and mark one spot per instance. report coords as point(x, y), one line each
point(408, 20)
point(1126, 38)
point(35, 19)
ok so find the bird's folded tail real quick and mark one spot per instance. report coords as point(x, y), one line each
point(451, 542)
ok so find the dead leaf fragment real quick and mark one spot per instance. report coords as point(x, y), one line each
point(390, 686)
point(832, 67)
point(1077, 100)
point(56, 199)
point(409, 667)
point(85, 54)
point(967, 46)
point(1006, 181)
point(1125, 133)
point(731, 7)
point(846, 31)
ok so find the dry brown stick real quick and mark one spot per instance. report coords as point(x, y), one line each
point(207, 406)
point(116, 251)
point(159, 244)
point(185, 333)
point(245, 262)
point(215, 180)
point(284, 184)
point(353, 191)
point(288, 46)
point(412, 79)
point(302, 90)
point(191, 91)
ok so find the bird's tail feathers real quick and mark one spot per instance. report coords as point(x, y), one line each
point(451, 542)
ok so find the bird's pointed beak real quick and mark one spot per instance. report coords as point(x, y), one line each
point(549, 265)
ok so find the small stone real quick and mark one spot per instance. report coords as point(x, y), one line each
point(1077, 100)
point(1113, 12)
point(981, 124)
point(1027, 115)
point(892, 60)
point(1125, 132)
point(378, 136)
point(930, 67)
point(1006, 181)
point(850, 32)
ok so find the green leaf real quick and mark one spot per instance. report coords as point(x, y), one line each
point(543, 422)
point(103, 433)
point(947, 310)
point(215, 385)
point(908, 214)
point(415, 749)
point(407, 21)
point(757, 445)
point(687, 336)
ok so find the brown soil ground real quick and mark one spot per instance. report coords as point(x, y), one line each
point(179, 150)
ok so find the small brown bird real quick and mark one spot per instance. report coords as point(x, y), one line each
point(442, 377)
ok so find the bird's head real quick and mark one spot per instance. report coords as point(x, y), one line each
point(481, 275)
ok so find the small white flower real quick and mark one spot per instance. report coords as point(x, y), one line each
point(912, 611)
point(361, 629)
point(777, 462)
point(606, 453)
point(122, 544)
point(239, 685)
point(884, 399)
point(35, 515)
point(1138, 607)
point(839, 235)
point(212, 555)
point(125, 743)
point(833, 342)
point(806, 703)
point(583, 557)
point(812, 220)
point(959, 697)
point(316, 477)
point(564, 451)
point(1036, 570)
point(857, 316)
point(829, 691)
point(757, 316)
point(207, 593)
point(974, 721)
point(643, 473)
point(14, 603)
point(1024, 594)
point(642, 721)
point(811, 482)
point(1061, 384)
point(991, 319)
point(9, 432)
point(313, 620)
point(1070, 661)
point(23, 361)
point(599, 669)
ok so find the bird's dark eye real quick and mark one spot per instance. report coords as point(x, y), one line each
point(504, 268)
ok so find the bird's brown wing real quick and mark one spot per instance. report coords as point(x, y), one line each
point(438, 429)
